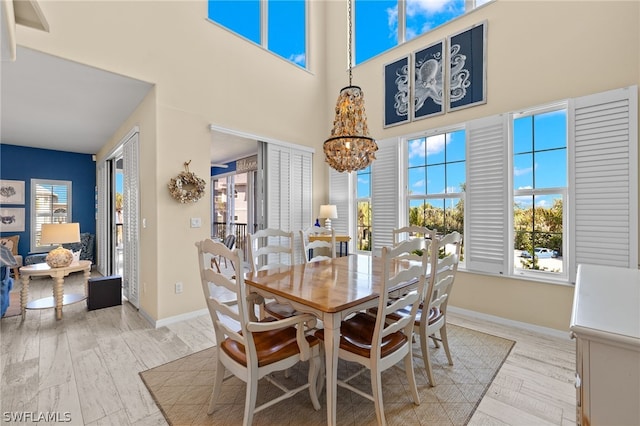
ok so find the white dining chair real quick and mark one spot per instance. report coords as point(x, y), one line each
point(366, 339)
point(251, 350)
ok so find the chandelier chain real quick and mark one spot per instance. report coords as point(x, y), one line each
point(349, 54)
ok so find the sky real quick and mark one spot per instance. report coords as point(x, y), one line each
point(375, 29)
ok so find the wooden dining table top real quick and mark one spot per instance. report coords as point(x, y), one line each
point(329, 286)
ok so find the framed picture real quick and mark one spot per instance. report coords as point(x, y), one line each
point(11, 191)
point(429, 93)
point(467, 76)
point(396, 92)
point(12, 220)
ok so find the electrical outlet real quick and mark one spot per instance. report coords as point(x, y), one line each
point(196, 222)
point(178, 287)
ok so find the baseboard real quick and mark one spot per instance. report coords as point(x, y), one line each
point(172, 320)
point(511, 323)
point(147, 317)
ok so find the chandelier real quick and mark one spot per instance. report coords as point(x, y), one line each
point(350, 147)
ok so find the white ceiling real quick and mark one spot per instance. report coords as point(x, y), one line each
point(52, 103)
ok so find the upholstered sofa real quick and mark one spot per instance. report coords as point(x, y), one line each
point(86, 246)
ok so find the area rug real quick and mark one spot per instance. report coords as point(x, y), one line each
point(14, 305)
point(182, 388)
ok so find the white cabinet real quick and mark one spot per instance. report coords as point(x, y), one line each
point(606, 324)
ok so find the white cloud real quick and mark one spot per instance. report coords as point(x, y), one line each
point(542, 203)
point(425, 7)
point(521, 172)
point(526, 187)
point(392, 21)
point(418, 184)
point(298, 58)
point(416, 148)
point(435, 144)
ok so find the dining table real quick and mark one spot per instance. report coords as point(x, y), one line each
point(331, 290)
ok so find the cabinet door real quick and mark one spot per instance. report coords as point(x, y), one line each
point(613, 384)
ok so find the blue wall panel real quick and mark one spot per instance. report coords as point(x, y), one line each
point(22, 163)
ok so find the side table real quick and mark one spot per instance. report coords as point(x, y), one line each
point(59, 298)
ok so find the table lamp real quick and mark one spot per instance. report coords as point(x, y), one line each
point(328, 212)
point(60, 233)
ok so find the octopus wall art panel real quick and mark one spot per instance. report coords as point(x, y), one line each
point(467, 67)
point(396, 92)
point(428, 82)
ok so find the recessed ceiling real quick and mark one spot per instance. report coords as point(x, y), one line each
point(52, 103)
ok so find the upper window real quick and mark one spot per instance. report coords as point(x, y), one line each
point(436, 181)
point(50, 203)
point(377, 26)
point(540, 190)
point(277, 25)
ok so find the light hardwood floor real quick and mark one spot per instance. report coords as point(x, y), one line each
point(87, 365)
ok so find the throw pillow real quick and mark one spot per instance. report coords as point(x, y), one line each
point(11, 243)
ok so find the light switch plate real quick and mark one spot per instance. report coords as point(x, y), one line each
point(196, 222)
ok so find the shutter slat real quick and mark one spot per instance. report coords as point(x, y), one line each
point(605, 178)
point(385, 195)
point(487, 235)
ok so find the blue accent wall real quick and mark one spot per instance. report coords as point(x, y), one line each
point(23, 163)
point(221, 170)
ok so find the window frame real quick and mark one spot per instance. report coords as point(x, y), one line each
point(401, 29)
point(263, 31)
point(35, 227)
point(367, 200)
point(404, 143)
point(563, 191)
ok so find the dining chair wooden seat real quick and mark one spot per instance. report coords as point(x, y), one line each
point(377, 346)
point(356, 336)
point(250, 349)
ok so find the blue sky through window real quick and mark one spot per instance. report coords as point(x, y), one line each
point(286, 32)
point(540, 151)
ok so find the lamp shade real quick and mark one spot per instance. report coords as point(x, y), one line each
point(60, 233)
point(328, 211)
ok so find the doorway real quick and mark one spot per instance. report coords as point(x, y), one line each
point(233, 209)
point(118, 216)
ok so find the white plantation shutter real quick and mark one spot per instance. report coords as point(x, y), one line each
point(340, 189)
point(102, 223)
point(486, 201)
point(385, 194)
point(288, 191)
point(604, 179)
point(130, 228)
point(301, 189)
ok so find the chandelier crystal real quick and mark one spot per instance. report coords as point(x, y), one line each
point(350, 147)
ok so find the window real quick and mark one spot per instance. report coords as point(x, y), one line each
point(539, 190)
point(378, 28)
point(50, 203)
point(277, 25)
point(363, 203)
point(436, 181)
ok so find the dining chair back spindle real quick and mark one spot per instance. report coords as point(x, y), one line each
point(411, 232)
point(317, 250)
point(258, 348)
point(272, 248)
point(366, 340)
